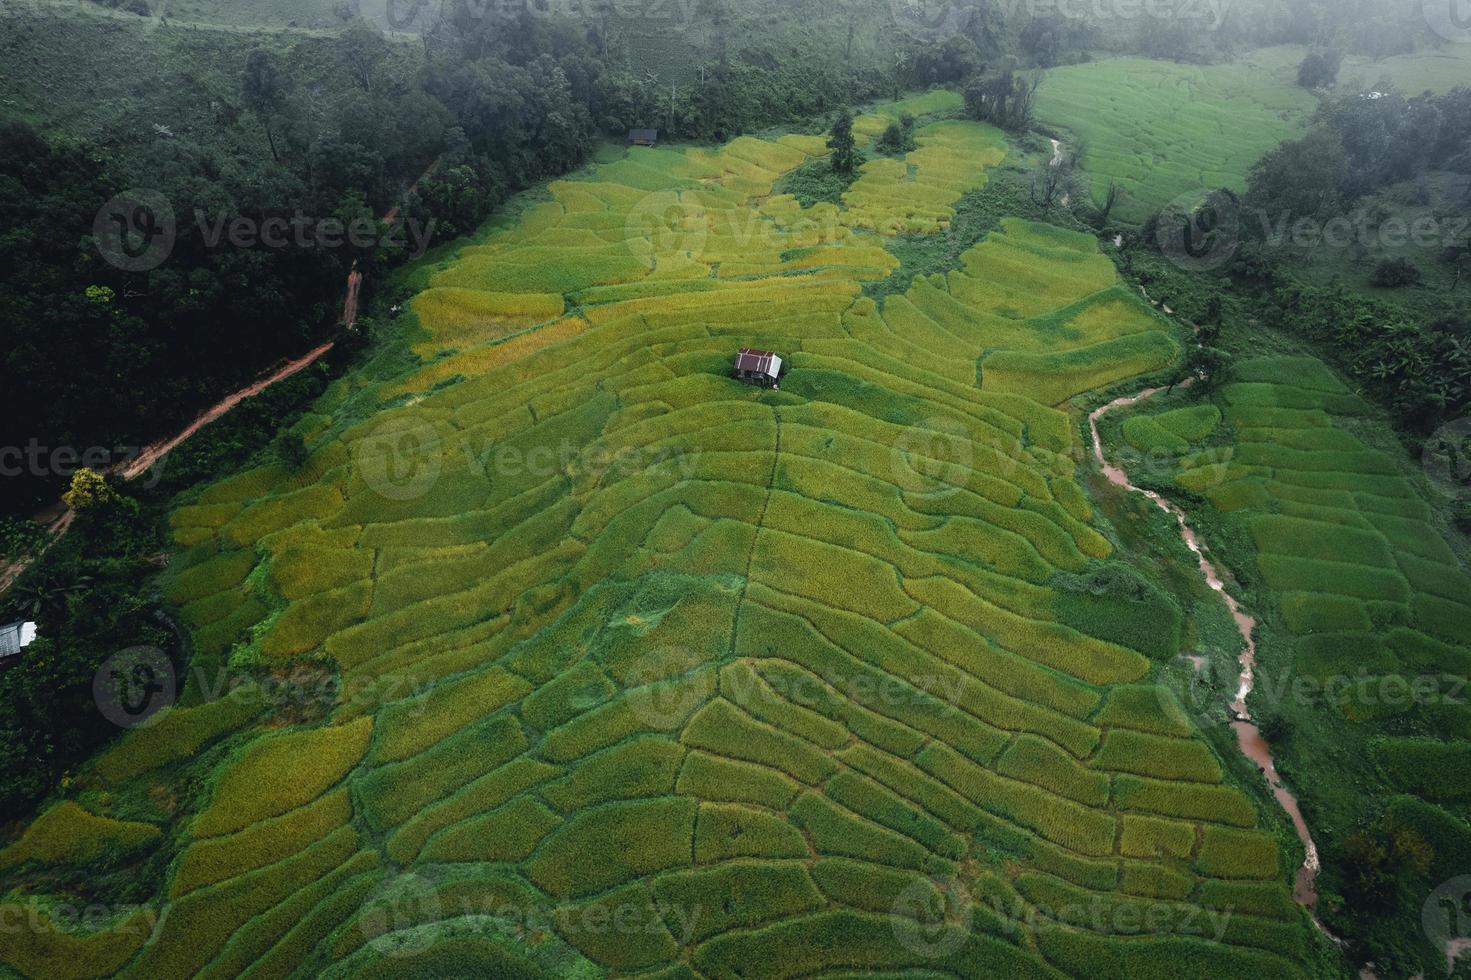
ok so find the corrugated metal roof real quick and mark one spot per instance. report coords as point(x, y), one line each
point(758, 361)
point(643, 135)
point(15, 638)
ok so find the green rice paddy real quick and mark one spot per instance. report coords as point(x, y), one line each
point(1162, 130)
point(777, 682)
point(1361, 599)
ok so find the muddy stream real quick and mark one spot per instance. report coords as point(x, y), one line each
point(1248, 735)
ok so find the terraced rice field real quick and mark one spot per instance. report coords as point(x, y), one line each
point(1360, 573)
point(778, 683)
point(1163, 130)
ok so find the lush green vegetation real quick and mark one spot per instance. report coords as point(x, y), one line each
point(1361, 602)
point(536, 645)
point(1160, 131)
point(688, 652)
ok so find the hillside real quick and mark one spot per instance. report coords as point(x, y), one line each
point(782, 675)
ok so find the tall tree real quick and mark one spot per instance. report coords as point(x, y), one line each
point(841, 142)
point(361, 48)
point(264, 92)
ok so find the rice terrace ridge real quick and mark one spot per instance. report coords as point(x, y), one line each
point(836, 489)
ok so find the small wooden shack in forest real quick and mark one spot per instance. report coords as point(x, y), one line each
point(643, 137)
point(757, 367)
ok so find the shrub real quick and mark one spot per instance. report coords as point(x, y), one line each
point(1397, 273)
